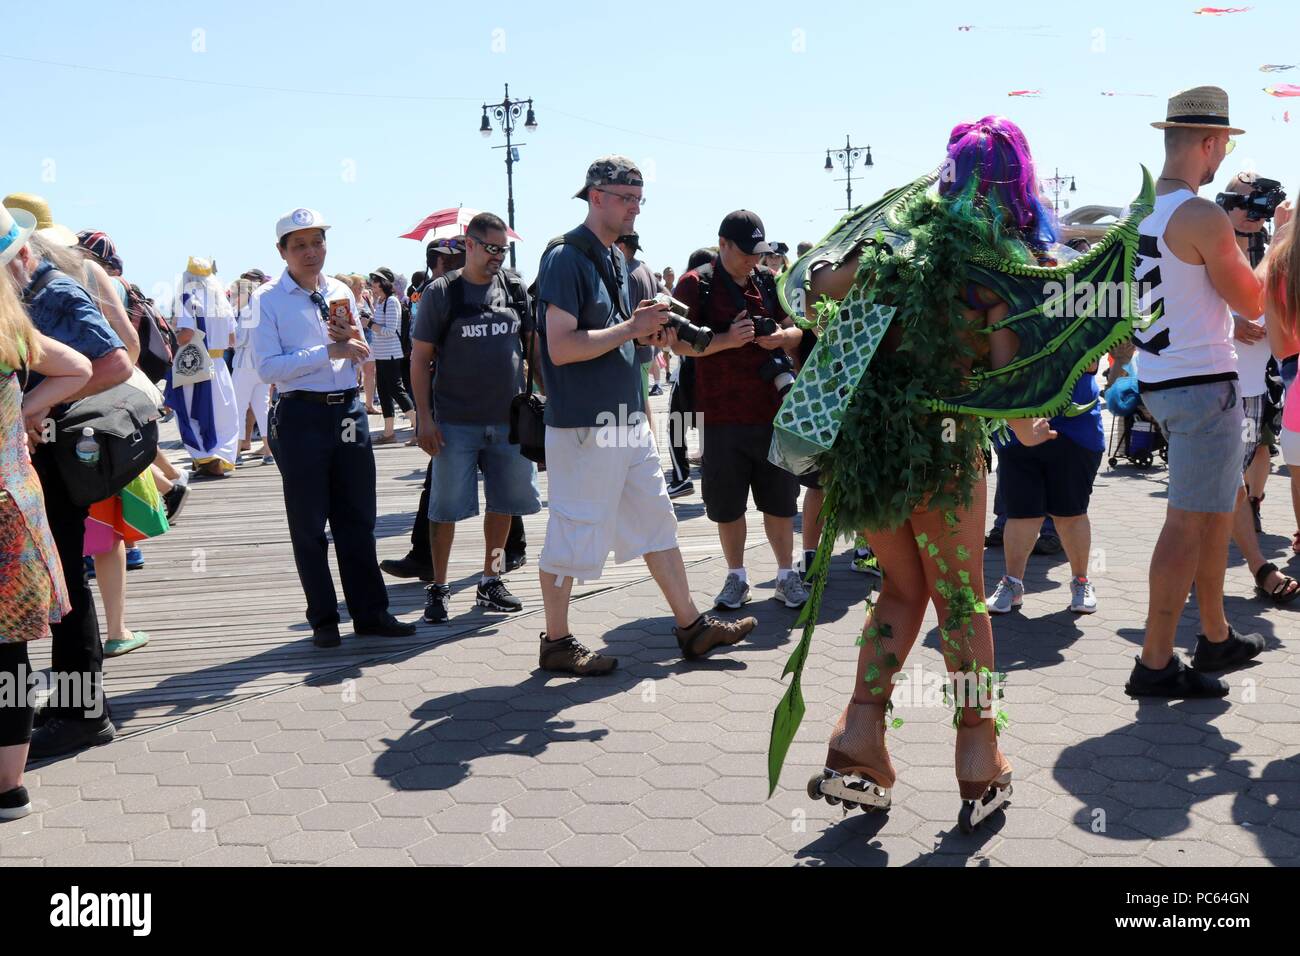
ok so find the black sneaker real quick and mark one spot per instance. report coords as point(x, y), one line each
point(15, 804)
point(1237, 649)
point(326, 636)
point(1175, 679)
point(65, 735)
point(436, 609)
point(407, 567)
point(994, 538)
point(386, 626)
point(681, 489)
point(494, 596)
point(515, 561)
point(174, 500)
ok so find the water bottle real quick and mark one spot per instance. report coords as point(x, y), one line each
point(88, 447)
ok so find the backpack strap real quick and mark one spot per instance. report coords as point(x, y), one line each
point(705, 276)
point(39, 285)
point(579, 239)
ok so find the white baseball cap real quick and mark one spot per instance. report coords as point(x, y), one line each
point(302, 218)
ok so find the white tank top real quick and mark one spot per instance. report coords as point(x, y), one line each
point(1191, 340)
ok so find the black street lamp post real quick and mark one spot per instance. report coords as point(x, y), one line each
point(1056, 185)
point(848, 158)
point(507, 113)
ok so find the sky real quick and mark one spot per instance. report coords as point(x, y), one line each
point(186, 128)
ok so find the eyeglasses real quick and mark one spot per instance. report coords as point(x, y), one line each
point(1232, 144)
point(491, 248)
point(626, 198)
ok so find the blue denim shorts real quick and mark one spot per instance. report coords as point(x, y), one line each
point(509, 479)
point(1204, 427)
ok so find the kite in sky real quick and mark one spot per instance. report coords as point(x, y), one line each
point(1276, 67)
point(1118, 93)
point(1220, 11)
point(1025, 93)
point(1283, 89)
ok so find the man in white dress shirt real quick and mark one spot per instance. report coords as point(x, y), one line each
point(307, 341)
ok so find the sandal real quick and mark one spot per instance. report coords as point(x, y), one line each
point(1284, 593)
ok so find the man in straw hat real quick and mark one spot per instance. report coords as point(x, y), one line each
point(1192, 276)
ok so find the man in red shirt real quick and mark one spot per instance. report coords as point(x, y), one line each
point(740, 380)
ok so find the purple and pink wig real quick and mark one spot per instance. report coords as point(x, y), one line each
point(990, 171)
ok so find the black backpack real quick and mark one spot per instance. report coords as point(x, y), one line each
point(764, 279)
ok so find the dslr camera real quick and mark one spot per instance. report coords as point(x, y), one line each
point(1262, 202)
point(778, 369)
point(696, 336)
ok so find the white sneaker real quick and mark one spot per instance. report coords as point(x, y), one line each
point(1083, 598)
point(1007, 595)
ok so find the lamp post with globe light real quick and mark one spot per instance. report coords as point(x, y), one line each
point(507, 114)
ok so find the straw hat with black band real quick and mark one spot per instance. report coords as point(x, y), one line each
point(1201, 107)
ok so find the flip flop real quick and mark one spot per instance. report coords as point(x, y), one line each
point(118, 647)
point(1284, 593)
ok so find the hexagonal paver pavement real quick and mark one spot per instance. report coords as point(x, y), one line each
point(463, 754)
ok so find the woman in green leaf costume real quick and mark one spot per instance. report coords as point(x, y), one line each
point(947, 288)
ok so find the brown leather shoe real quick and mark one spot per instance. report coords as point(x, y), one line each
point(567, 655)
point(710, 632)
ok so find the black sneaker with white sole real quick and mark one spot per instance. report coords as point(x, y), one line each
point(681, 489)
point(436, 603)
point(15, 804)
point(494, 596)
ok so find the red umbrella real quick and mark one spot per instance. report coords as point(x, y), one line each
point(448, 224)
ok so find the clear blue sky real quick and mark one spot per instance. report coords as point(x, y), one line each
point(725, 105)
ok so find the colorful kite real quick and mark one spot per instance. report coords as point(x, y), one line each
point(1220, 11)
point(1025, 93)
point(1276, 67)
point(1283, 89)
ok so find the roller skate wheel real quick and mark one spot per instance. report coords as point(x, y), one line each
point(964, 818)
point(833, 801)
point(815, 786)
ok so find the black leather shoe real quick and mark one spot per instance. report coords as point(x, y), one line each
point(407, 567)
point(386, 626)
point(513, 562)
point(64, 735)
point(327, 636)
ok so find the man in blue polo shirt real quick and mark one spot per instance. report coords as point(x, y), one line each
point(63, 310)
point(1053, 478)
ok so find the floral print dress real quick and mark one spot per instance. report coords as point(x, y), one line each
point(32, 590)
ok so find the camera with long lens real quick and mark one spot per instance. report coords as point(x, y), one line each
point(1261, 203)
point(778, 370)
point(696, 336)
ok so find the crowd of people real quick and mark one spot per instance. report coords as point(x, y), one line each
point(466, 349)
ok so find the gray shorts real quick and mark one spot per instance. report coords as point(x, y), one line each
point(1204, 427)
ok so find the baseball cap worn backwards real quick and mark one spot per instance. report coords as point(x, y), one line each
point(611, 170)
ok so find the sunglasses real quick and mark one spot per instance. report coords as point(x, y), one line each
point(491, 248)
point(626, 199)
point(1232, 144)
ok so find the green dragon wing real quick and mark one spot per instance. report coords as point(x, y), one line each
point(877, 221)
point(848, 334)
point(1066, 318)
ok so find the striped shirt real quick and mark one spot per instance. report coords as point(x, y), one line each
point(387, 333)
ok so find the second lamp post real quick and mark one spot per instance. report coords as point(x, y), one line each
point(507, 113)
